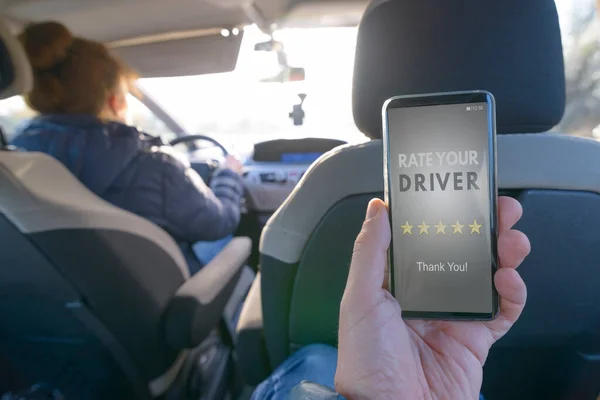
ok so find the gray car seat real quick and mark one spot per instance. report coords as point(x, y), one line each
point(95, 301)
point(513, 49)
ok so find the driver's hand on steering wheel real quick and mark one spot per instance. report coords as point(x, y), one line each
point(233, 164)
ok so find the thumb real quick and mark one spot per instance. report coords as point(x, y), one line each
point(369, 259)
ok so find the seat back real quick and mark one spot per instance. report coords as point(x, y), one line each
point(307, 247)
point(84, 285)
point(436, 46)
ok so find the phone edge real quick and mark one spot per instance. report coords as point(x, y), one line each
point(492, 177)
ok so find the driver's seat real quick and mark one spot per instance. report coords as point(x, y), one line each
point(95, 301)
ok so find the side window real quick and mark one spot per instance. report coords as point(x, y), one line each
point(144, 119)
point(13, 112)
point(579, 28)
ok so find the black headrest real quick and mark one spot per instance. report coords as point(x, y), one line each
point(511, 48)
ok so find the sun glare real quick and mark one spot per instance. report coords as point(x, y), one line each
point(237, 103)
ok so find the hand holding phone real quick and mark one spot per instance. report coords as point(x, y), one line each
point(381, 355)
point(440, 187)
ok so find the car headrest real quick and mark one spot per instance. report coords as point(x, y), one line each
point(511, 48)
point(16, 76)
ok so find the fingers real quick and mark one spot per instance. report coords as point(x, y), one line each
point(367, 270)
point(234, 164)
point(509, 212)
point(513, 247)
point(513, 293)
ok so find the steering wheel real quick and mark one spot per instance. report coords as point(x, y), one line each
point(192, 138)
point(206, 167)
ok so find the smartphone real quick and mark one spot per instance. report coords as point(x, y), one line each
point(440, 189)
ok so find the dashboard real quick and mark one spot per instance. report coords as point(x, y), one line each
point(270, 175)
point(273, 170)
point(276, 168)
point(268, 185)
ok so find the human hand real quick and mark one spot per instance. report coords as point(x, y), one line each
point(233, 164)
point(381, 356)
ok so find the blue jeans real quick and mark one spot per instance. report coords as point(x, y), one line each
point(206, 251)
point(315, 363)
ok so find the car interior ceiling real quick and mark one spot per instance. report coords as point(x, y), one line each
point(178, 29)
point(92, 341)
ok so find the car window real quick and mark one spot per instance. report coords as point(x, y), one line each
point(239, 108)
point(580, 27)
point(145, 120)
point(14, 112)
point(235, 107)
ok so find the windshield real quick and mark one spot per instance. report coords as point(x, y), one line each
point(239, 110)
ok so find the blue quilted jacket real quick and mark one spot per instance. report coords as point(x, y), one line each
point(134, 171)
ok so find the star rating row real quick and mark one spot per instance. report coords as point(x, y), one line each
point(440, 229)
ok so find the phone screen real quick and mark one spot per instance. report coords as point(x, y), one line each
point(441, 192)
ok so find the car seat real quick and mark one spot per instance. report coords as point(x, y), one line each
point(95, 301)
point(513, 49)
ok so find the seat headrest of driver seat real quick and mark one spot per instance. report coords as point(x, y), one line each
point(511, 48)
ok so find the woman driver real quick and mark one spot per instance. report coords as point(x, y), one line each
point(80, 93)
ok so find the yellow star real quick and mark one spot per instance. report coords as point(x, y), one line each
point(458, 228)
point(424, 229)
point(407, 229)
point(441, 228)
point(475, 227)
